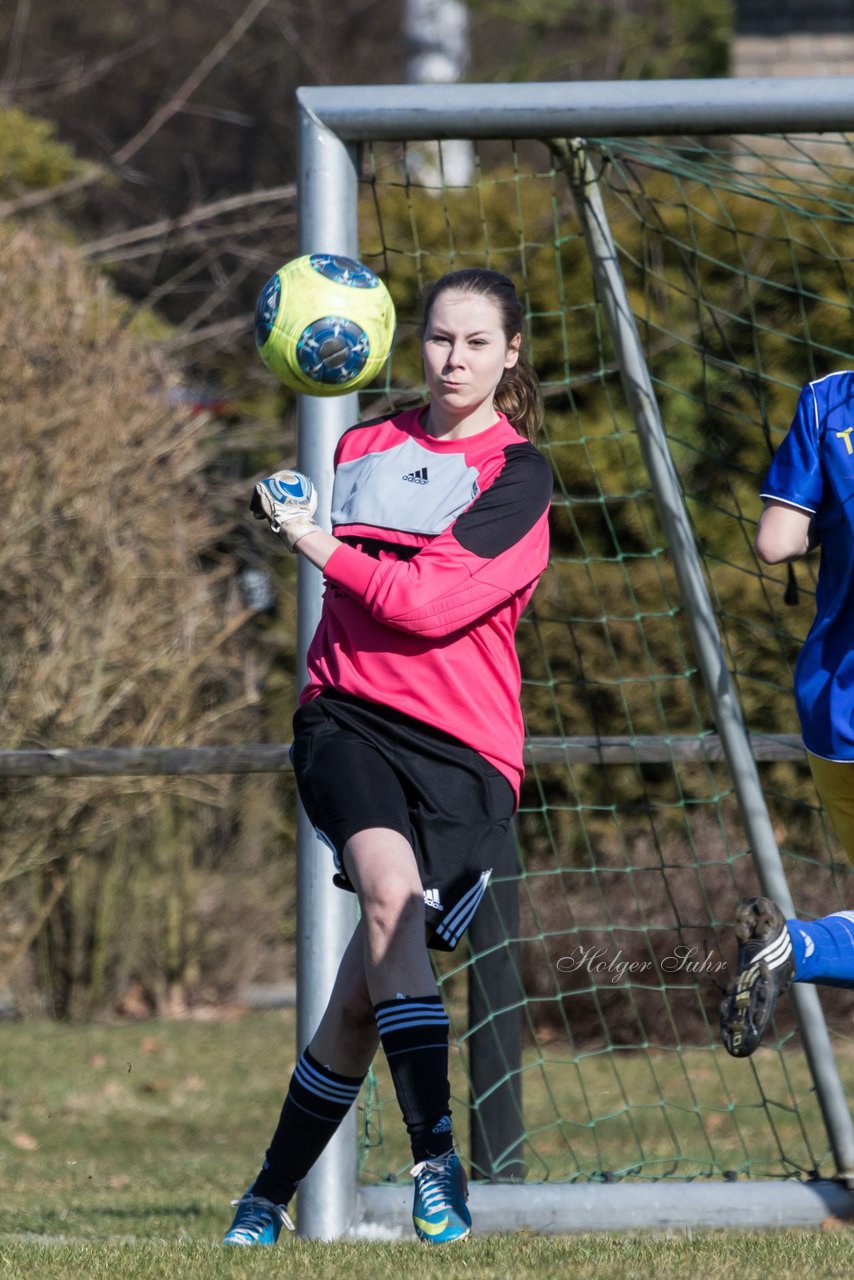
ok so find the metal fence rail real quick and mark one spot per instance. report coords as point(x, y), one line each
point(272, 757)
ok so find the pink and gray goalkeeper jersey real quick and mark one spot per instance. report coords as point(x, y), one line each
point(444, 543)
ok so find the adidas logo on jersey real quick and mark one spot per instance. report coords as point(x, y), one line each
point(431, 899)
point(418, 477)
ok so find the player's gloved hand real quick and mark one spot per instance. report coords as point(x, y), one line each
point(288, 501)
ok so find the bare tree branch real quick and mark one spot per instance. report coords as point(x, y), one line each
point(175, 281)
point(33, 199)
point(166, 226)
point(223, 330)
point(226, 285)
point(205, 67)
point(16, 45)
point(197, 237)
point(41, 91)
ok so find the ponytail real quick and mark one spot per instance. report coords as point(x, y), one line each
point(520, 398)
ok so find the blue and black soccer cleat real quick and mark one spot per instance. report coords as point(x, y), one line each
point(257, 1221)
point(439, 1211)
point(764, 969)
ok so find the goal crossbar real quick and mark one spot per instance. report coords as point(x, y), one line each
point(592, 109)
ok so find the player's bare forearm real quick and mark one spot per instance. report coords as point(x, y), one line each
point(317, 547)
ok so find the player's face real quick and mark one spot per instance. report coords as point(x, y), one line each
point(465, 353)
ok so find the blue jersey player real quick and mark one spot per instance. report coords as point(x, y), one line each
point(809, 501)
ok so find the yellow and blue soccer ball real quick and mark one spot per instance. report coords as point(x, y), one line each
point(324, 324)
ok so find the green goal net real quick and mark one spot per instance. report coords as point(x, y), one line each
point(631, 854)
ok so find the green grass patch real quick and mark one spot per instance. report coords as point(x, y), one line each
point(715, 1256)
point(122, 1145)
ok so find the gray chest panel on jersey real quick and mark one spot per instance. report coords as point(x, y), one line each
point(407, 488)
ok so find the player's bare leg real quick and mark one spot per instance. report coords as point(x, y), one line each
point(382, 869)
point(412, 1023)
point(346, 1039)
point(323, 1087)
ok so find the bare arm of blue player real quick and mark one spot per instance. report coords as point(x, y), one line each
point(784, 532)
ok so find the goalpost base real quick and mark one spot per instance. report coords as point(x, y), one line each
point(385, 1212)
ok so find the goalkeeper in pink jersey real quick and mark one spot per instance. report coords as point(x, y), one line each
point(408, 738)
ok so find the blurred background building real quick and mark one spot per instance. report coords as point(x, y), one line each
point(793, 38)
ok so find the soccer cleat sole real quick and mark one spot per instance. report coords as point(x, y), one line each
point(460, 1239)
point(765, 969)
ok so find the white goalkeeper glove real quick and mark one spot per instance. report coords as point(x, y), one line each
point(288, 501)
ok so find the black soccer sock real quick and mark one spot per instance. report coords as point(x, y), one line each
point(414, 1035)
point(317, 1101)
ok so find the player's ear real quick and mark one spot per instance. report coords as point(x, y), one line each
point(513, 351)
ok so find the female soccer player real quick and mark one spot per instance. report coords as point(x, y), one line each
point(408, 739)
point(809, 496)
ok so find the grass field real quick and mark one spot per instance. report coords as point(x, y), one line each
point(712, 1256)
point(121, 1146)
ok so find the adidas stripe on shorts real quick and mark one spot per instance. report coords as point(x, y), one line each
point(361, 765)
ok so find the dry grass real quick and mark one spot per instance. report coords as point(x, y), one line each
point(118, 626)
point(112, 627)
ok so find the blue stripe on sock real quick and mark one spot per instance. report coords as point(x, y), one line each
point(416, 1022)
point(414, 1048)
point(410, 1018)
point(320, 1083)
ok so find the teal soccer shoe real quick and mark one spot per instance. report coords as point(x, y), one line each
point(439, 1212)
point(257, 1221)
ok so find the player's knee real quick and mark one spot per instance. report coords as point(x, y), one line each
point(392, 911)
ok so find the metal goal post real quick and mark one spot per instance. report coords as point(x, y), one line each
point(333, 123)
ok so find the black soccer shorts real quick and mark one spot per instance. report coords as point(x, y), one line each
point(361, 765)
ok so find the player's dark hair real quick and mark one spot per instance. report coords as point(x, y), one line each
point(518, 395)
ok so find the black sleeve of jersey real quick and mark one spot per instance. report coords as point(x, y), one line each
point(510, 507)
